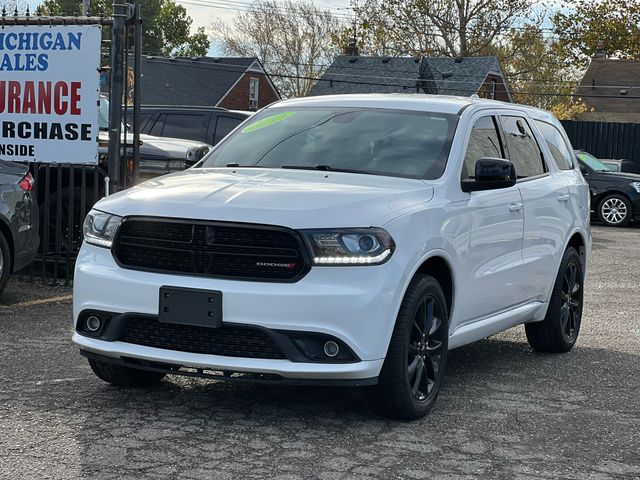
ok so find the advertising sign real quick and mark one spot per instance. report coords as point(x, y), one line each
point(49, 92)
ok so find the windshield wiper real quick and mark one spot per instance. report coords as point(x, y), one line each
point(237, 165)
point(326, 168)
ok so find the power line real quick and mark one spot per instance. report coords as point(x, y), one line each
point(247, 7)
point(409, 86)
point(331, 76)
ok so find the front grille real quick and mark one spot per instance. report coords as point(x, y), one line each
point(228, 341)
point(211, 249)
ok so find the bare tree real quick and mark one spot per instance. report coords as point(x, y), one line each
point(11, 5)
point(436, 27)
point(293, 40)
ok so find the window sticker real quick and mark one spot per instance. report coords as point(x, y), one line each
point(267, 122)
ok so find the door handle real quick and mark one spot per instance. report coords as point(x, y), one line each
point(563, 198)
point(515, 207)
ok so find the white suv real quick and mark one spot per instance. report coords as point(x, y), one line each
point(341, 240)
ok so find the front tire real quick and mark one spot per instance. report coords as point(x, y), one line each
point(414, 367)
point(615, 210)
point(124, 376)
point(558, 332)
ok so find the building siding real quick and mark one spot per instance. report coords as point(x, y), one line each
point(238, 97)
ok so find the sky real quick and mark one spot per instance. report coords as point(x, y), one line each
point(204, 12)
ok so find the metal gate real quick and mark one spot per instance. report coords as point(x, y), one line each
point(605, 139)
point(66, 192)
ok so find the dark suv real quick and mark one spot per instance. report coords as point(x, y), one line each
point(615, 196)
point(204, 124)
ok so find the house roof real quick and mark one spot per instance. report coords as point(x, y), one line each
point(358, 74)
point(467, 73)
point(191, 81)
point(612, 79)
point(349, 74)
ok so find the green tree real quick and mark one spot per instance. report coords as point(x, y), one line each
point(165, 29)
point(615, 23)
point(536, 67)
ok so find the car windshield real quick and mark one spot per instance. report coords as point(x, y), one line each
point(373, 141)
point(103, 116)
point(593, 163)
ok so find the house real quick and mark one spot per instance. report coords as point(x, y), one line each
point(611, 90)
point(233, 83)
point(464, 76)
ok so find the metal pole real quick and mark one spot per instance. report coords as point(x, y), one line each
point(85, 7)
point(136, 92)
point(124, 163)
point(115, 92)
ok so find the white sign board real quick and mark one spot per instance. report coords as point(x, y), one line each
point(49, 91)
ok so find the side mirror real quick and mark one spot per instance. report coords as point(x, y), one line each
point(491, 174)
point(584, 170)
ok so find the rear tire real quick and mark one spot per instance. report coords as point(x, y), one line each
point(414, 367)
point(124, 376)
point(558, 332)
point(5, 262)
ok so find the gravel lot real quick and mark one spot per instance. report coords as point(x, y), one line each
point(504, 411)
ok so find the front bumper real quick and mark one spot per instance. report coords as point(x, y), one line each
point(357, 305)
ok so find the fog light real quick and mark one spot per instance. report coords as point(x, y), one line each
point(93, 323)
point(331, 348)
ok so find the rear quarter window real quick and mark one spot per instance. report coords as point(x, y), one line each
point(560, 152)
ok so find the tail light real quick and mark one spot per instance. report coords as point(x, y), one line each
point(27, 183)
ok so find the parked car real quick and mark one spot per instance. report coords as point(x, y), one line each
point(204, 124)
point(615, 196)
point(621, 165)
point(18, 220)
point(159, 154)
point(341, 240)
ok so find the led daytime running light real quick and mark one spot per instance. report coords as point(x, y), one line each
point(359, 260)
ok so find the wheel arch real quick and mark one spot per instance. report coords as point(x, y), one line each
point(439, 267)
point(6, 231)
point(578, 242)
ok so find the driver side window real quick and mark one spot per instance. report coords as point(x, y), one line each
point(484, 142)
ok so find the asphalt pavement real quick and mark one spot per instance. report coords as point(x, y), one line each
point(503, 412)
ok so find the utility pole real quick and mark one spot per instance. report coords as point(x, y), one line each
point(85, 7)
point(120, 16)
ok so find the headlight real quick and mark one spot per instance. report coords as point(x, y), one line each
point(99, 228)
point(636, 185)
point(352, 246)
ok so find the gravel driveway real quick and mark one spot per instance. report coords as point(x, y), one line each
point(504, 411)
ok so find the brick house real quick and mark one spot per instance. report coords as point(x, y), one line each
point(611, 89)
point(462, 76)
point(229, 82)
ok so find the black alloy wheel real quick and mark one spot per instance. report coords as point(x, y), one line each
point(571, 309)
point(559, 330)
point(425, 349)
point(414, 367)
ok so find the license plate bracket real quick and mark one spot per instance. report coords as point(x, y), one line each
point(190, 306)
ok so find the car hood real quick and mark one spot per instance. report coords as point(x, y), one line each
point(162, 147)
point(293, 198)
point(619, 176)
point(172, 147)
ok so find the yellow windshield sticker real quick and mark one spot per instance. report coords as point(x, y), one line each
point(267, 122)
